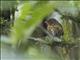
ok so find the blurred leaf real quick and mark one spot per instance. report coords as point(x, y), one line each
point(23, 29)
point(67, 27)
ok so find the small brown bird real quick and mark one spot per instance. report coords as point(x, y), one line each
point(54, 27)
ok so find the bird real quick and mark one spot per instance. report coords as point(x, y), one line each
point(53, 27)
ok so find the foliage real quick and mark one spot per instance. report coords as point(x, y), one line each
point(24, 27)
point(8, 6)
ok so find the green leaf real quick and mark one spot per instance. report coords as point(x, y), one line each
point(22, 30)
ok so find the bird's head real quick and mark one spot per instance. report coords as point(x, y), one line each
point(54, 27)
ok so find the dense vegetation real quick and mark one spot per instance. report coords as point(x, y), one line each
point(25, 38)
